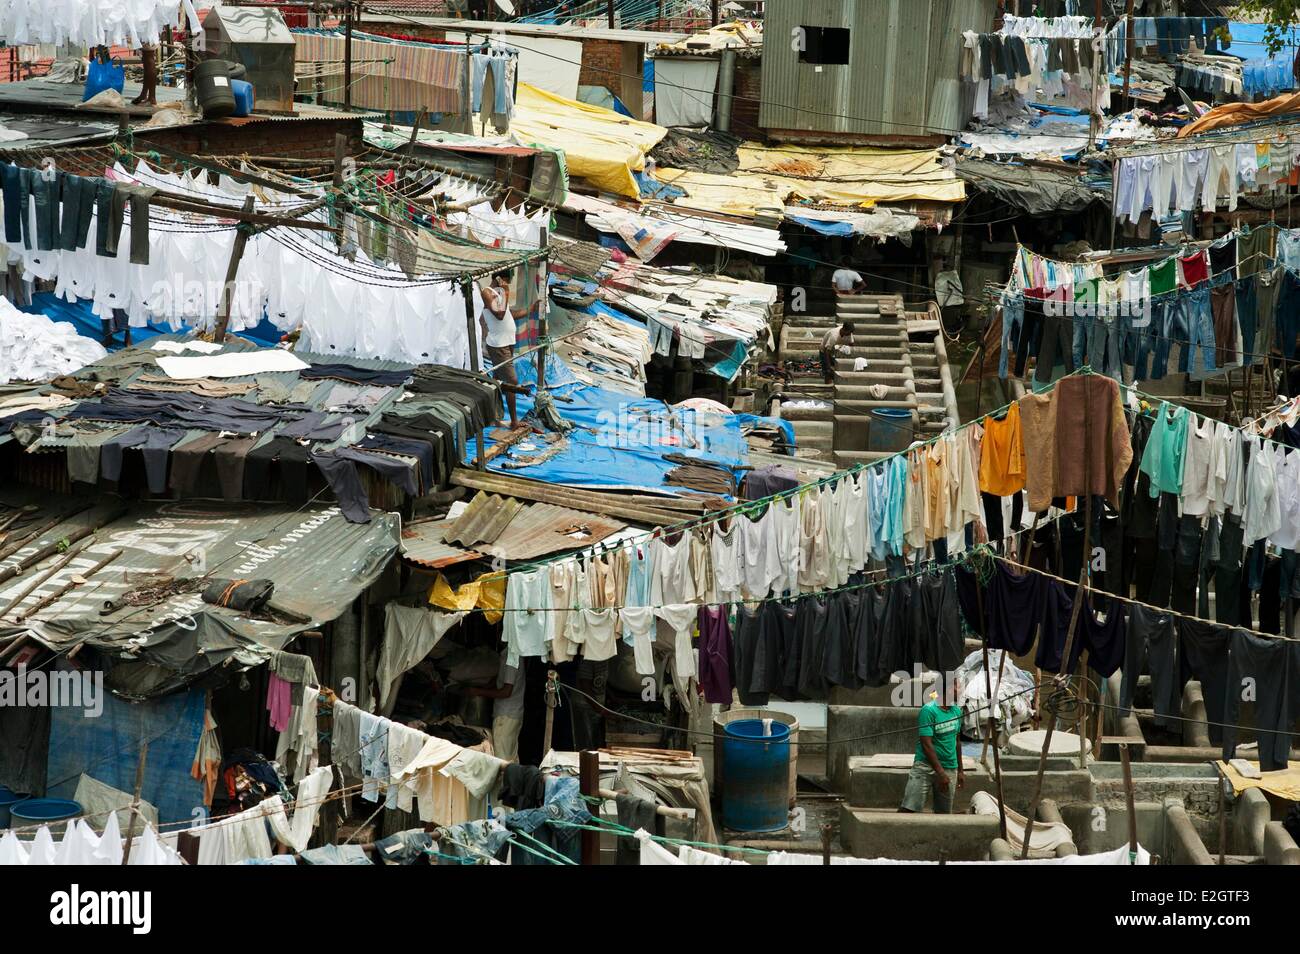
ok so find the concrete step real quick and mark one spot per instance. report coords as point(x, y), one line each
point(802, 415)
point(813, 427)
point(850, 392)
point(923, 836)
point(863, 378)
point(859, 341)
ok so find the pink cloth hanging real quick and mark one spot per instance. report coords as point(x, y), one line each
point(278, 702)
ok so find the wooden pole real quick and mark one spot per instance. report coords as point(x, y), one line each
point(135, 801)
point(589, 784)
point(467, 89)
point(992, 727)
point(543, 330)
point(40, 578)
point(232, 270)
point(552, 700)
point(1128, 48)
point(1094, 108)
point(1223, 824)
point(347, 56)
point(70, 585)
point(1080, 596)
point(471, 332)
point(1129, 801)
point(609, 11)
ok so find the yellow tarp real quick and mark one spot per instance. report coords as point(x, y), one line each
point(1285, 783)
point(600, 145)
point(487, 592)
point(728, 194)
point(858, 176)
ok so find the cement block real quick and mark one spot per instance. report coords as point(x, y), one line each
point(1279, 847)
point(865, 730)
point(1250, 816)
point(916, 837)
point(1183, 846)
point(1099, 828)
point(882, 788)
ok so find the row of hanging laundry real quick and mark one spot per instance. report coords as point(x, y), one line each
point(1186, 179)
point(1169, 37)
point(1213, 309)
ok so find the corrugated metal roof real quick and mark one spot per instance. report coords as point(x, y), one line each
point(422, 543)
point(575, 31)
point(899, 81)
point(507, 528)
point(485, 519)
point(318, 561)
point(541, 528)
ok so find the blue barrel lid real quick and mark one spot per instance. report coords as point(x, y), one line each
point(753, 729)
point(45, 809)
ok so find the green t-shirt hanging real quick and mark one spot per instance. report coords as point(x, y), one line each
point(1164, 277)
point(1162, 460)
point(941, 725)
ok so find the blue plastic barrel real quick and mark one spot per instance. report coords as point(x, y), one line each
point(756, 793)
point(8, 799)
point(891, 429)
point(243, 93)
point(43, 811)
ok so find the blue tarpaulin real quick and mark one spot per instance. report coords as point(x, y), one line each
point(838, 229)
point(88, 324)
point(107, 748)
point(619, 442)
point(652, 188)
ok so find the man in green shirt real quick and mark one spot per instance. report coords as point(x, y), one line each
point(938, 756)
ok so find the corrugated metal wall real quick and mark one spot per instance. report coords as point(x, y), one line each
point(901, 78)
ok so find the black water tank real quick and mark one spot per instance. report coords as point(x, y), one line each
point(212, 85)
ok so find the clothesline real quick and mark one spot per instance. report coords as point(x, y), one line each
point(1163, 610)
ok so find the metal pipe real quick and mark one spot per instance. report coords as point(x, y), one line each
point(726, 89)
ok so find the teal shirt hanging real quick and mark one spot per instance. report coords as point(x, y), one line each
point(1162, 461)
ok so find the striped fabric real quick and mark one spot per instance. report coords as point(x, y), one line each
point(392, 77)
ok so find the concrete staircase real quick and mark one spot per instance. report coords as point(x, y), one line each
point(907, 368)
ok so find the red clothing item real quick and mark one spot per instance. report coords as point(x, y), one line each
point(1195, 269)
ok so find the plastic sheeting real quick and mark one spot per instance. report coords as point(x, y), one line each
point(1234, 114)
point(619, 442)
point(318, 561)
point(88, 324)
point(684, 90)
point(107, 748)
point(599, 145)
point(836, 229)
point(1034, 191)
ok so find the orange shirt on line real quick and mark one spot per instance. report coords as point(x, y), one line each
point(1002, 455)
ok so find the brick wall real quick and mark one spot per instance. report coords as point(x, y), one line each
point(602, 62)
